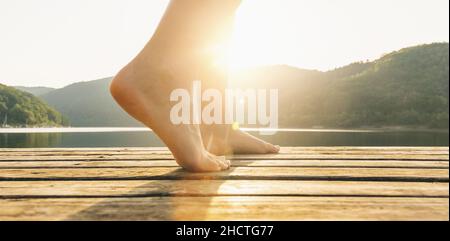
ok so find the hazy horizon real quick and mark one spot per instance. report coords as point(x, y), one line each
point(56, 43)
point(246, 68)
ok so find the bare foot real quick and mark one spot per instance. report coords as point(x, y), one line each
point(143, 88)
point(224, 140)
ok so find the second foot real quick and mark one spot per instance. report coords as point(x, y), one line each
point(224, 140)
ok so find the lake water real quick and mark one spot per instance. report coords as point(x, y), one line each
point(142, 137)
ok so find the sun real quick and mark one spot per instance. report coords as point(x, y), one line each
point(259, 36)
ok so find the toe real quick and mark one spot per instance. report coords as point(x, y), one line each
point(271, 149)
point(223, 163)
point(211, 163)
point(205, 164)
point(276, 149)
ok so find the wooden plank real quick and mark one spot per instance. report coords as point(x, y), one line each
point(241, 173)
point(84, 149)
point(341, 157)
point(287, 153)
point(290, 149)
point(368, 149)
point(227, 208)
point(91, 189)
point(87, 157)
point(283, 151)
point(235, 163)
point(236, 157)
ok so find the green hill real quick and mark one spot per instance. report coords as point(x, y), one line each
point(89, 104)
point(18, 108)
point(36, 91)
point(409, 87)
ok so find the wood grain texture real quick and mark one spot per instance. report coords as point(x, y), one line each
point(164, 156)
point(240, 173)
point(300, 183)
point(283, 149)
point(235, 163)
point(227, 208)
point(358, 153)
point(63, 189)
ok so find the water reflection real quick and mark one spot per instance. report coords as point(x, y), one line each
point(145, 138)
point(30, 140)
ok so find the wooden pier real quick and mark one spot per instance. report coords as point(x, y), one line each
point(301, 183)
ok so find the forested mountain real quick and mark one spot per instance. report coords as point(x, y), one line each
point(89, 104)
point(409, 87)
point(37, 91)
point(18, 108)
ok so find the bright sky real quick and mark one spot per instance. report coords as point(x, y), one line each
point(58, 42)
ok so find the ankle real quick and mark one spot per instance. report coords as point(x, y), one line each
point(188, 49)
